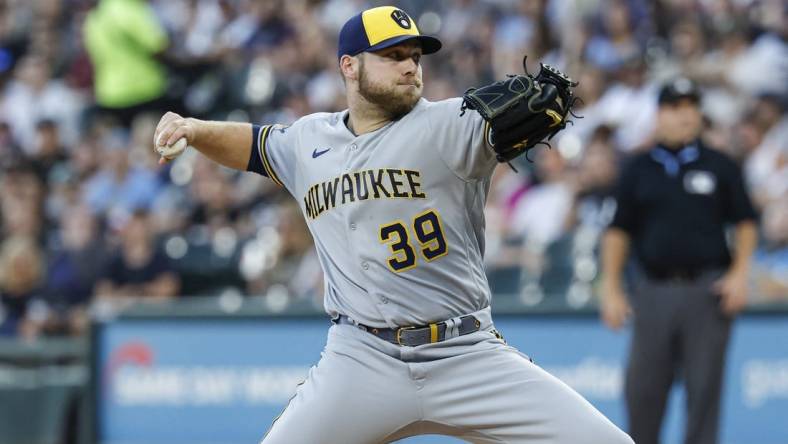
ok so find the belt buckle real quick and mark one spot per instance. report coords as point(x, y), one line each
point(399, 333)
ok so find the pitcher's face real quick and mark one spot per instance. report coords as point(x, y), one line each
point(391, 78)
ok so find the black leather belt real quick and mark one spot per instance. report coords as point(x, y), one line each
point(413, 336)
point(689, 274)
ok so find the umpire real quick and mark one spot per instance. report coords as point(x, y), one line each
point(675, 203)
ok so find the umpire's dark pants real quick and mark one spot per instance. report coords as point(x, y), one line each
point(679, 331)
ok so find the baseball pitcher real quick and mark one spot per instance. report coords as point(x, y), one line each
point(393, 190)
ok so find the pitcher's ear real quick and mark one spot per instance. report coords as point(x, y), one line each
point(349, 66)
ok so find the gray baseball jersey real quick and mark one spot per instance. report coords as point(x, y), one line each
point(396, 214)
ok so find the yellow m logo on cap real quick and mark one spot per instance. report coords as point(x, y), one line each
point(386, 22)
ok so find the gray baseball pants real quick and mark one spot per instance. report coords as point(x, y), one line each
point(679, 330)
point(475, 387)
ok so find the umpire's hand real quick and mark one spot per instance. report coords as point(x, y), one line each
point(732, 289)
point(615, 308)
point(173, 134)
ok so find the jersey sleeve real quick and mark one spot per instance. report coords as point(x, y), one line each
point(273, 153)
point(462, 140)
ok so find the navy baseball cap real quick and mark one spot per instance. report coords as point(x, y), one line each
point(677, 89)
point(379, 28)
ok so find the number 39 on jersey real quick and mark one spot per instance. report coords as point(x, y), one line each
point(428, 235)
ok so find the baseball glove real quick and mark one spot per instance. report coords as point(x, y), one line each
point(522, 110)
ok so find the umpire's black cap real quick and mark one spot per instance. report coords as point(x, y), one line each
point(679, 88)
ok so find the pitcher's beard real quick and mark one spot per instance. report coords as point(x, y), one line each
point(395, 104)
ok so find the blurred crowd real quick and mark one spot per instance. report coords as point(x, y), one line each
point(89, 221)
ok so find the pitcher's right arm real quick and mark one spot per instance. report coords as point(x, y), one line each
point(227, 143)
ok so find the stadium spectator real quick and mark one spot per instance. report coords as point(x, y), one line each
point(21, 272)
point(212, 196)
point(21, 202)
point(628, 104)
point(295, 265)
point(590, 88)
point(770, 263)
point(72, 272)
point(119, 187)
point(139, 269)
point(10, 152)
point(595, 182)
point(124, 39)
point(541, 215)
point(49, 152)
point(766, 168)
point(615, 42)
point(34, 95)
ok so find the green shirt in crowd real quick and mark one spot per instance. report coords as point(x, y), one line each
point(122, 38)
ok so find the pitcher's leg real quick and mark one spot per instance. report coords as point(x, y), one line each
point(498, 395)
point(355, 395)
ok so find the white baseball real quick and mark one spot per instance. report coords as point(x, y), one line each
point(172, 151)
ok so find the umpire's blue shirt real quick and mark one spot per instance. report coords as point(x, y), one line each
point(676, 204)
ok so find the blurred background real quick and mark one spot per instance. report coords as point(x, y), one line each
point(94, 235)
